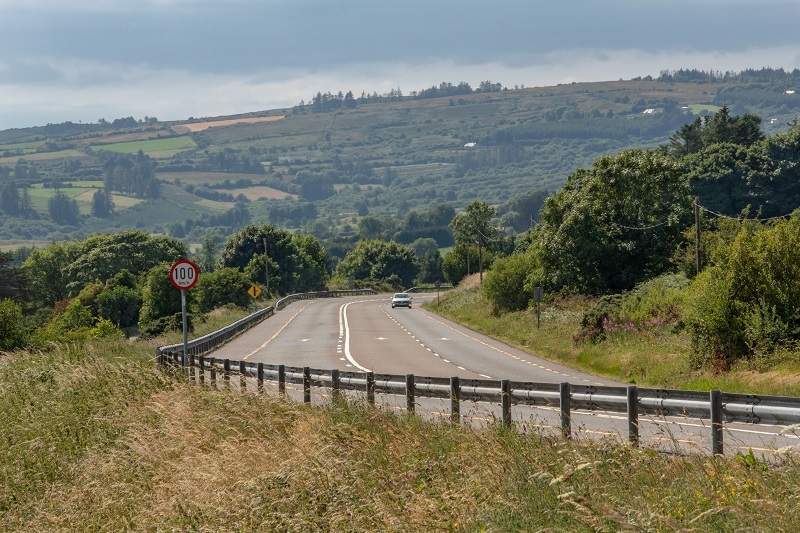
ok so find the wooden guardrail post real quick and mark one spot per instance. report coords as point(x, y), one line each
point(202, 370)
point(632, 396)
point(306, 384)
point(213, 368)
point(410, 392)
point(335, 385)
point(243, 375)
point(226, 373)
point(505, 401)
point(455, 399)
point(564, 401)
point(282, 379)
point(371, 388)
point(260, 377)
point(715, 397)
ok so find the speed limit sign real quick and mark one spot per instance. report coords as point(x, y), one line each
point(184, 274)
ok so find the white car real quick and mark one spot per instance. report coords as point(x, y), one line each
point(401, 299)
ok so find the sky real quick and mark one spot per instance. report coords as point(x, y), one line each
point(81, 60)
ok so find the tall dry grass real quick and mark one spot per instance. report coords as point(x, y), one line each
point(95, 438)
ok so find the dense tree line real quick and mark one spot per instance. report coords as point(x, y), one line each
point(131, 174)
point(765, 74)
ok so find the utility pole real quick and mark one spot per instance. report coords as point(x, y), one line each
point(480, 263)
point(266, 268)
point(697, 234)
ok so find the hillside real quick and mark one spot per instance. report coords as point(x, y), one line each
point(105, 442)
point(324, 167)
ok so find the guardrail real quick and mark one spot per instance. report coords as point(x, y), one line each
point(215, 339)
point(430, 288)
point(719, 407)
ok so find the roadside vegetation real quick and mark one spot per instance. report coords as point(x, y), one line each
point(82, 418)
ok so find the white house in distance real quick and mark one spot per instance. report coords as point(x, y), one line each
point(470, 145)
point(789, 91)
point(649, 111)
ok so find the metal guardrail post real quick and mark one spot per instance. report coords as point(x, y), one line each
point(505, 401)
point(371, 388)
point(226, 373)
point(282, 379)
point(213, 373)
point(202, 370)
point(260, 377)
point(632, 396)
point(455, 399)
point(335, 385)
point(715, 398)
point(564, 401)
point(243, 375)
point(410, 392)
point(306, 384)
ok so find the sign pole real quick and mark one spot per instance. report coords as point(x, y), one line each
point(185, 328)
point(266, 268)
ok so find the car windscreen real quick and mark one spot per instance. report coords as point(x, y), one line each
point(401, 295)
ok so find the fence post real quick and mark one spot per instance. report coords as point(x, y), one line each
point(306, 384)
point(715, 397)
point(371, 388)
point(282, 379)
point(455, 399)
point(243, 375)
point(202, 369)
point(564, 390)
point(505, 401)
point(335, 385)
point(410, 392)
point(260, 377)
point(213, 373)
point(632, 394)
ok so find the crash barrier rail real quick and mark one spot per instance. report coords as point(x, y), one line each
point(215, 339)
point(719, 407)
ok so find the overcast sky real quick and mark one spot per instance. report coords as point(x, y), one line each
point(81, 60)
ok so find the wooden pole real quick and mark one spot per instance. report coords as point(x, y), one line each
point(697, 235)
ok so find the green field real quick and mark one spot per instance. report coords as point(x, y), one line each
point(704, 108)
point(157, 148)
point(25, 146)
point(206, 178)
point(44, 156)
point(82, 194)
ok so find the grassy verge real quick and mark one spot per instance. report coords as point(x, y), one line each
point(94, 441)
point(658, 358)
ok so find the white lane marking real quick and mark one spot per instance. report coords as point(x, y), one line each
point(304, 340)
point(444, 339)
point(485, 376)
point(347, 353)
point(381, 338)
point(445, 360)
point(461, 368)
point(275, 335)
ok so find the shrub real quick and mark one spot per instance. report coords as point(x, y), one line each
point(224, 286)
point(161, 303)
point(749, 302)
point(12, 329)
point(505, 283)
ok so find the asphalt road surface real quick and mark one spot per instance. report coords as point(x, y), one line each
point(364, 333)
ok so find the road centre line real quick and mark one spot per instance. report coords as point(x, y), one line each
point(344, 327)
point(275, 335)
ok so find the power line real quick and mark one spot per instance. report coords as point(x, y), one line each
point(720, 215)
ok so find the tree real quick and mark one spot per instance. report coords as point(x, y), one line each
point(120, 305)
point(506, 283)
point(615, 224)
point(522, 210)
point(12, 278)
point(161, 302)
point(45, 268)
point(102, 204)
point(461, 261)
point(474, 226)
point(10, 201)
point(688, 139)
point(296, 263)
point(63, 209)
point(382, 261)
point(212, 241)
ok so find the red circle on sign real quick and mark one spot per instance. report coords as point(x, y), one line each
point(184, 274)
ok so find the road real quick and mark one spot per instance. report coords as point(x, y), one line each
point(365, 334)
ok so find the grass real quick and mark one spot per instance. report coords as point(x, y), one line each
point(158, 148)
point(655, 358)
point(700, 108)
point(206, 178)
point(69, 153)
point(97, 439)
point(81, 192)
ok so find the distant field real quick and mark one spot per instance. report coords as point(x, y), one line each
point(83, 195)
point(157, 148)
point(32, 145)
point(700, 108)
point(194, 127)
point(8, 246)
point(129, 137)
point(43, 156)
point(260, 191)
point(206, 178)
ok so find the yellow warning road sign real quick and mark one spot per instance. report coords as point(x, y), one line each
point(254, 291)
